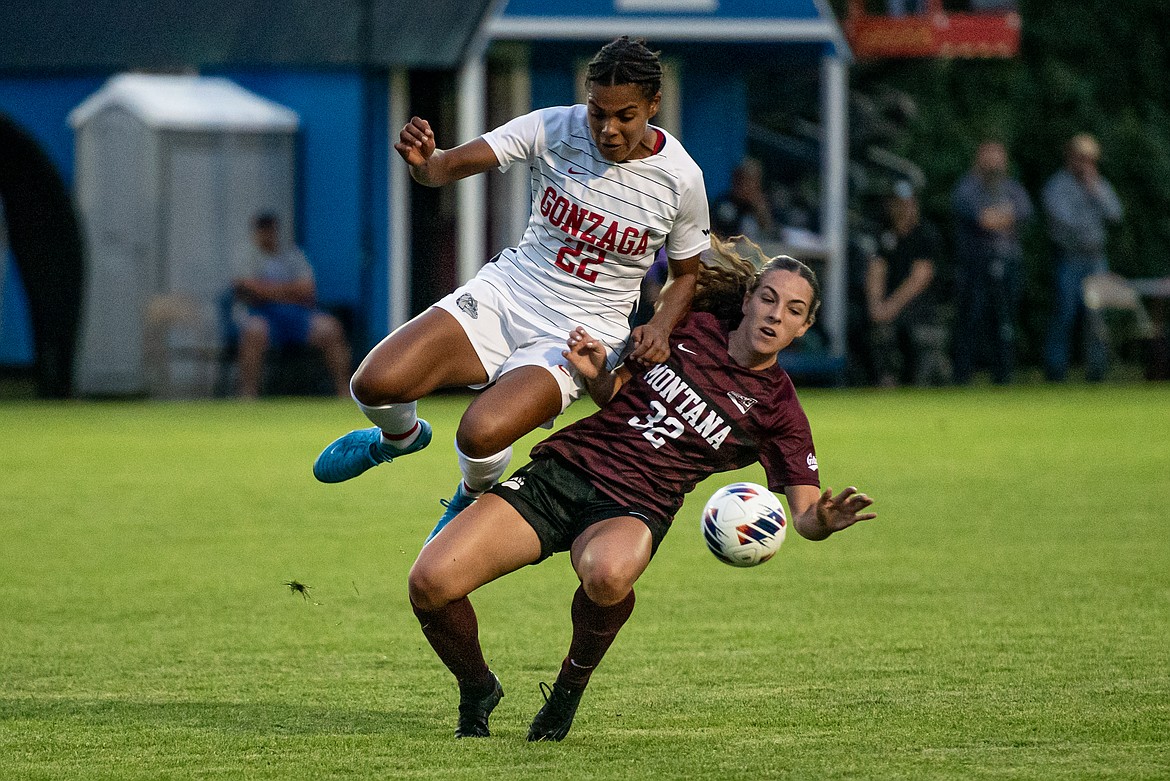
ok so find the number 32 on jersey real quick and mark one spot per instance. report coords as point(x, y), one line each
point(657, 426)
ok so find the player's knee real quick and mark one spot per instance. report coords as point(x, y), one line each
point(376, 387)
point(428, 588)
point(606, 585)
point(480, 437)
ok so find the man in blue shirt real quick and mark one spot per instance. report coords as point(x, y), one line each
point(1080, 205)
point(279, 293)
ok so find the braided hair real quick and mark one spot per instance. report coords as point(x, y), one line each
point(623, 61)
point(733, 269)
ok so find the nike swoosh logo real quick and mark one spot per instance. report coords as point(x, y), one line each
point(575, 172)
point(685, 350)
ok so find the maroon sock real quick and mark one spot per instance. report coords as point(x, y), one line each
point(594, 629)
point(453, 632)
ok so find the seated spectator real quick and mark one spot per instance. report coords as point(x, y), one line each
point(279, 295)
point(906, 330)
point(744, 210)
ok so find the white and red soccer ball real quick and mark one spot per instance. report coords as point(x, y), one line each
point(743, 524)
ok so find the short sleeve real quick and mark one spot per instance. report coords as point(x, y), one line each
point(691, 233)
point(298, 264)
point(519, 139)
point(789, 457)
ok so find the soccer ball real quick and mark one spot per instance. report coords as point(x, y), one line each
point(743, 524)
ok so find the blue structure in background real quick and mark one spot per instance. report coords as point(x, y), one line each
point(346, 220)
point(340, 174)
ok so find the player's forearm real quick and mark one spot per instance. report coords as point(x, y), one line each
point(434, 172)
point(674, 301)
point(602, 387)
point(811, 526)
point(449, 165)
point(803, 505)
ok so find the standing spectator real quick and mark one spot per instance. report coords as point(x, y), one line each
point(1080, 205)
point(990, 207)
point(906, 329)
point(280, 293)
point(744, 210)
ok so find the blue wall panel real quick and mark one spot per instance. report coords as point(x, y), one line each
point(16, 342)
point(375, 278)
point(714, 121)
point(40, 105)
point(553, 78)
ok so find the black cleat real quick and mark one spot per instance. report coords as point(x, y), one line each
point(473, 713)
point(553, 721)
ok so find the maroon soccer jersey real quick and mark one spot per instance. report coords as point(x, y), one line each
point(675, 423)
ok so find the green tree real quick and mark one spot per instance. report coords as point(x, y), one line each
point(1092, 66)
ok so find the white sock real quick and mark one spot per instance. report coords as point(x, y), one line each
point(479, 474)
point(399, 423)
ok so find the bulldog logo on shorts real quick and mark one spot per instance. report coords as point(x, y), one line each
point(468, 305)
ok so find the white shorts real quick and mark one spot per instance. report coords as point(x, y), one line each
point(504, 339)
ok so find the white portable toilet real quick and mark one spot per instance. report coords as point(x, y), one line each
point(170, 171)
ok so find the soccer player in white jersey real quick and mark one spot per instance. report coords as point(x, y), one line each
point(608, 190)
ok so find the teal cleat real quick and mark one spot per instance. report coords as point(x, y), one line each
point(350, 455)
point(455, 505)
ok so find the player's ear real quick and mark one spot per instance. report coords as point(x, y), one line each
point(654, 104)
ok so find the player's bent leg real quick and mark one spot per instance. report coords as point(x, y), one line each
point(519, 402)
point(490, 540)
point(609, 557)
point(516, 404)
point(429, 352)
point(478, 475)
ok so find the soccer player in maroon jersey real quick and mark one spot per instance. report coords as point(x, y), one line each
point(606, 487)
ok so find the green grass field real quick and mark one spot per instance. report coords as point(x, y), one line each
point(1006, 616)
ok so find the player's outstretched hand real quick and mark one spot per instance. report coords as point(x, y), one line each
point(416, 142)
point(651, 344)
point(843, 510)
point(586, 354)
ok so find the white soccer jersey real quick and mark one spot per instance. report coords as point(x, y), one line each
point(595, 225)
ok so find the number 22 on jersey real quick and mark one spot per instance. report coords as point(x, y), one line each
point(585, 254)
